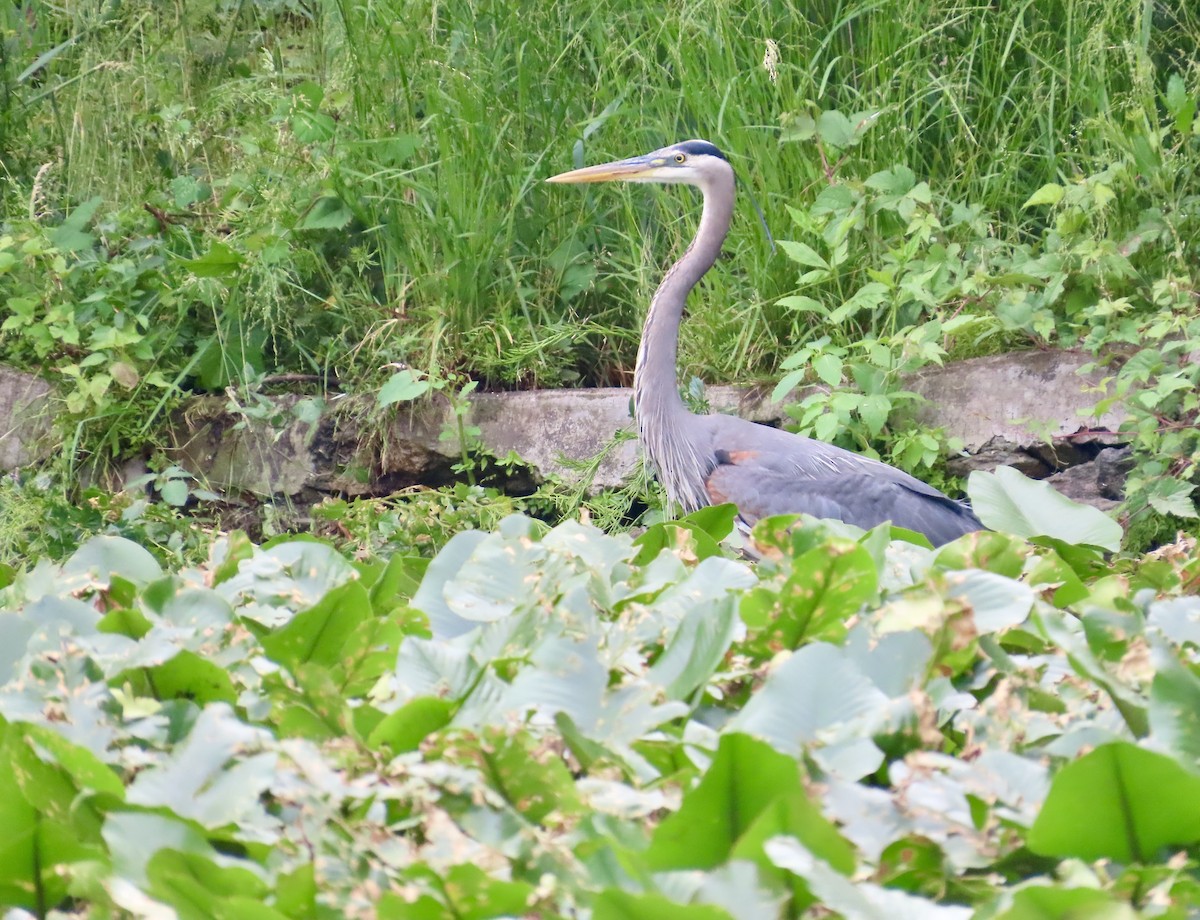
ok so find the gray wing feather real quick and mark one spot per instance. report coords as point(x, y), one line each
point(766, 471)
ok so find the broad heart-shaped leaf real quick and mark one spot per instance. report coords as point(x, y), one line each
point(697, 646)
point(681, 538)
point(213, 777)
point(1175, 709)
point(134, 837)
point(745, 782)
point(41, 833)
point(285, 576)
point(100, 558)
point(1037, 903)
point(15, 633)
point(430, 597)
point(404, 729)
point(1178, 618)
point(85, 768)
point(855, 900)
point(996, 602)
point(394, 583)
point(318, 634)
point(533, 778)
point(1119, 802)
point(826, 584)
point(1007, 501)
point(793, 815)
point(818, 696)
point(715, 520)
point(464, 891)
point(621, 905)
point(185, 676)
point(196, 886)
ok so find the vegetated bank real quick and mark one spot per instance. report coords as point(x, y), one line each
point(331, 189)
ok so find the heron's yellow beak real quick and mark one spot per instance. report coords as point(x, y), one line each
point(629, 170)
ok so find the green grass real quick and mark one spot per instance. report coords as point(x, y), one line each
point(332, 186)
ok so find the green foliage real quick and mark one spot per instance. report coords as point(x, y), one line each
point(41, 517)
point(414, 521)
point(906, 275)
point(1158, 806)
point(96, 308)
point(321, 167)
point(1007, 501)
point(407, 385)
point(553, 721)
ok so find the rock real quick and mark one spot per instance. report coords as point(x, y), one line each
point(24, 419)
point(544, 428)
point(1062, 453)
point(1112, 467)
point(1080, 483)
point(999, 452)
point(1002, 408)
point(547, 427)
point(265, 453)
point(287, 447)
point(1022, 398)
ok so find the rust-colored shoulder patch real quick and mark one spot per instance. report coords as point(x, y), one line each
point(734, 457)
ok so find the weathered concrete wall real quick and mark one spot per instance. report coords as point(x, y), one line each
point(24, 418)
point(1026, 409)
point(1023, 398)
point(543, 426)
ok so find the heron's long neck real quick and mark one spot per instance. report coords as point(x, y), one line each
point(659, 409)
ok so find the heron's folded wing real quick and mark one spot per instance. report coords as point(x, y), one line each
point(859, 498)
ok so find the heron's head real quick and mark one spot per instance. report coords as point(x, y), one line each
point(692, 162)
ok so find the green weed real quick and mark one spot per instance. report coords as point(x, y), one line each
point(332, 187)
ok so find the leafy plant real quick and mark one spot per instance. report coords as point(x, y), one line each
point(45, 515)
point(310, 189)
point(417, 521)
point(555, 720)
point(907, 271)
point(407, 385)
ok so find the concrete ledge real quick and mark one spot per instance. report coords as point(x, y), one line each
point(1023, 398)
point(24, 419)
point(1027, 409)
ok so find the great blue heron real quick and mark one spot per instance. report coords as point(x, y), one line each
point(707, 459)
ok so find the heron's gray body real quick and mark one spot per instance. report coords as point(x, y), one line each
point(766, 471)
point(707, 459)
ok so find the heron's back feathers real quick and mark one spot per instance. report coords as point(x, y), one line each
point(765, 471)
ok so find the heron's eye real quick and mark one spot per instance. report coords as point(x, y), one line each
point(679, 158)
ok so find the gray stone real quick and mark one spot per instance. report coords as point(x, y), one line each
point(355, 451)
point(264, 453)
point(546, 428)
point(1002, 408)
point(549, 429)
point(24, 419)
point(1024, 398)
point(1080, 483)
point(999, 452)
point(349, 449)
point(1112, 467)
